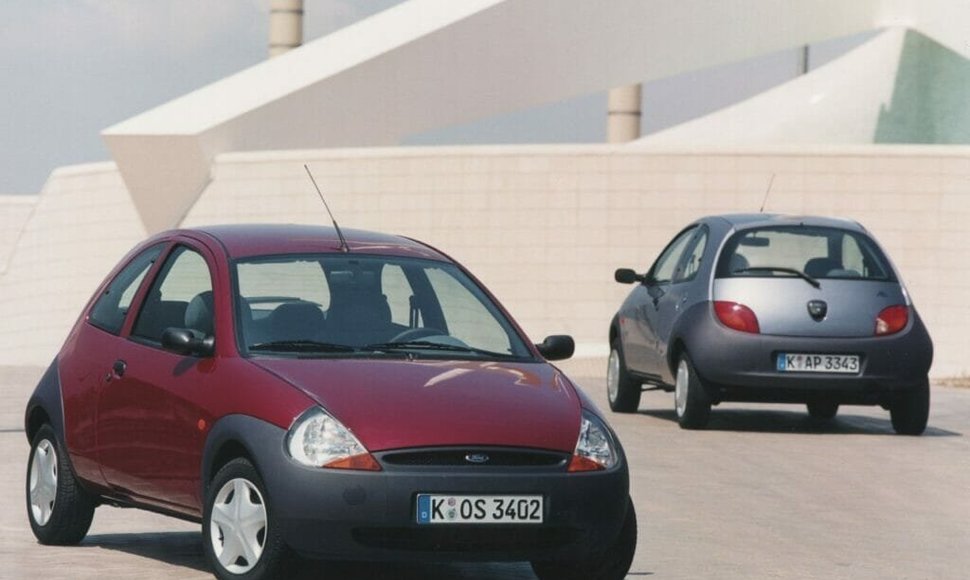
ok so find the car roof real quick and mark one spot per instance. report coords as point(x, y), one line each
point(248, 240)
point(757, 220)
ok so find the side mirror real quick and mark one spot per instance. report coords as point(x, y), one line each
point(557, 347)
point(627, 276)
point(188, 342)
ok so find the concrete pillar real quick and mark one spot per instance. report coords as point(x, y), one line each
point(285, 26)
point(623, 114)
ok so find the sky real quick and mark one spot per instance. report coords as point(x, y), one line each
point(71, 68)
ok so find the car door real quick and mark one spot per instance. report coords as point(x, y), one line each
point(151, 425)
point(683, 290)
point(85, 362)
point(650, 300)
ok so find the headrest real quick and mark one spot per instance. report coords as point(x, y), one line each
point(199, 313)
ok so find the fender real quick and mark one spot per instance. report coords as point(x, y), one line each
point(262, 442)
point(46, 399)
point(689, 331)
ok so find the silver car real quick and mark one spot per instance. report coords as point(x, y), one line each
point(770, 308)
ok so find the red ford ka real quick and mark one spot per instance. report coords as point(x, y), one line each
point(298, 392)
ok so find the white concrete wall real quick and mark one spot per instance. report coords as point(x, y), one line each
point(544, 227)
point(82, 224)
point(15, 210)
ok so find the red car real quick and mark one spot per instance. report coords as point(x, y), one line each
point(301, 393)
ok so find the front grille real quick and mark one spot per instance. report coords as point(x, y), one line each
point(466, 457)
point(466, 539)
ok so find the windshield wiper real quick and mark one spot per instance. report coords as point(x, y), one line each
point(301, 346)
point(798, 273)
point(428, 345)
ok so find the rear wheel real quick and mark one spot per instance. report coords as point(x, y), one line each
point(613, 564)
point(241, 538)
point(910, 410)
point(691, 402)
point(59, 509)
point(622, 389)
point(822, 410)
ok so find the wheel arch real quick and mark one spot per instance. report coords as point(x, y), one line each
point(240, 436)
point(45, 405)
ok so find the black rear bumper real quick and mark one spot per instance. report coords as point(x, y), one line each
point(738, 366)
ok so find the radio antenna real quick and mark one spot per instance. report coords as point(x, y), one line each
point(763, 202)
point(343, 241)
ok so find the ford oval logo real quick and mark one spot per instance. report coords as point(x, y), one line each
point(477, 458)
point(817, 309)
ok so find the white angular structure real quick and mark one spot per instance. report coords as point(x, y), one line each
point(543, 226)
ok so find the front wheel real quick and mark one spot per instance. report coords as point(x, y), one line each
point(910, 410)
point(622, 390)
point(59, 509)
point(691, 402)
point(241, 539)
point(613, 564)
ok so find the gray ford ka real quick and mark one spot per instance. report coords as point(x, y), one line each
point(771, 308)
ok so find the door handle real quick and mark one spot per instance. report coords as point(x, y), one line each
point(119, 368)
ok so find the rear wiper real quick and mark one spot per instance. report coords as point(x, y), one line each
point(301, 346)
point(428, 345)
point(798, 273)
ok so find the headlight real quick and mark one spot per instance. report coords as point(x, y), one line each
point(316, 439)
point(595, 449)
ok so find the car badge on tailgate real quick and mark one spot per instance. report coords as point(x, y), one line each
point(817, 309)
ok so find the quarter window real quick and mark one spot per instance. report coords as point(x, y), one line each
point(112, 306)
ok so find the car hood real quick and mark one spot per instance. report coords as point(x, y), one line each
point(394, 404)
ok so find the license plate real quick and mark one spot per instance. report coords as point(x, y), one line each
point(480, 509)
point(818, 363)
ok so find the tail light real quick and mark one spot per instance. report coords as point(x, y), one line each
point(737, 316)
point(892, 319)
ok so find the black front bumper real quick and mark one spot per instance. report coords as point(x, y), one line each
point(358, 515)
point(738, 366)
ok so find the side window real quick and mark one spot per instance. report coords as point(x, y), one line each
point(688, 270)
point(466, 316)
point(181, 297)
point(111, 308)
point(663, 269)
point(397, 290)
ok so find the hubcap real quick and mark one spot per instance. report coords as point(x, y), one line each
point(43, 482)
point(613, 376)
point(681, 386)
point(237, 528)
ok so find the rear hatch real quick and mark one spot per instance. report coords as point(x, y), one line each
point(813, 277)
point(782, 304)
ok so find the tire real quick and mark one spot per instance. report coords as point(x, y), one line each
point(58, 508)
point(910, 410)
point(691, 402)
point(242, 541)
point(613, 564)
point(622, 390)
point(822, 410)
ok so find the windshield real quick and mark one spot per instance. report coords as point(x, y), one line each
point(340, 305)
point(810, 252)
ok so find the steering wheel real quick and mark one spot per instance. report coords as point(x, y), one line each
point(416, 333)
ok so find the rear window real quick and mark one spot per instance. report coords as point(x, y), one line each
point(819, 252)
